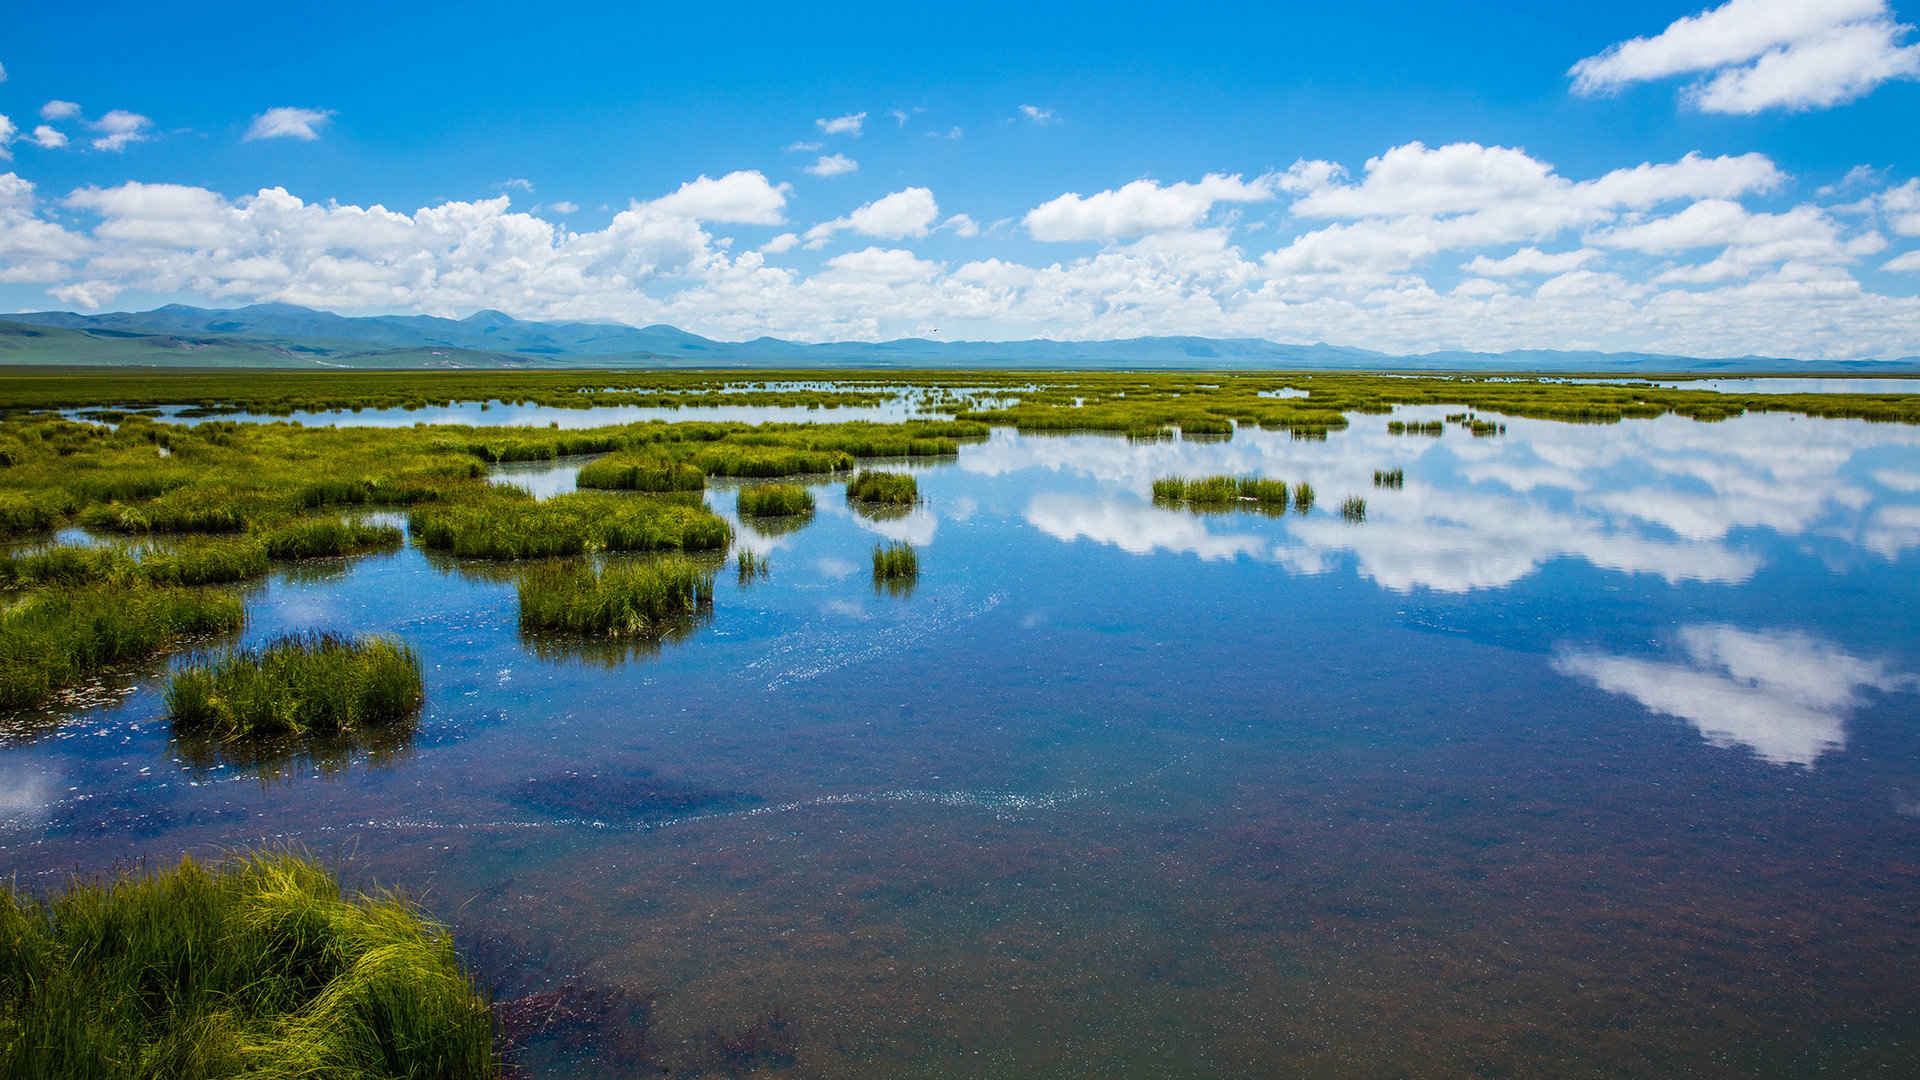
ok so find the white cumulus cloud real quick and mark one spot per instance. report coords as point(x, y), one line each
point(1143, 206)
point(906, 213)
point(738, 198)
point(118, 128)
point(1755, 55)
point(59, 110)
point(833, 165)
point(849, 124)
point(287, 122)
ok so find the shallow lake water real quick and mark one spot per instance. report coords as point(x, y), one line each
point(1593, 751)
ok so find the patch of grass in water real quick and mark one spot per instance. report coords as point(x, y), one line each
point(301, 684)
point(774, 500)
point(1353, 508)
point(752, 566)
point(57, 637)
point(258, 966)
point(895, 567)
point(735, 459)
point(1434, 428)
point(1222, 491)
point(1389, 478)
point(883, 488)
point(639, 600)
point(638, 472)
point(318, 539)
point(512, 525)
point(1302, 497)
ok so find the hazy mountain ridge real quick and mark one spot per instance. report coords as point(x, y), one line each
point(286, 335)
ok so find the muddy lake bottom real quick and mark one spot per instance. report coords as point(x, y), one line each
point(1592, 751)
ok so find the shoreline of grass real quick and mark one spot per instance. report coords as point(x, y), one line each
point(258, 965)
point(59, 637)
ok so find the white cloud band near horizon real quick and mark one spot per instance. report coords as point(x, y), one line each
point(1694, 256)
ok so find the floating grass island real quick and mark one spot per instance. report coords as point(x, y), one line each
point(258, 966)
point(636, 472)
point(300, 685)
point(1222, 492)
point(774, 500)
point(895, 566)
point(883, 488)
point(638, 600)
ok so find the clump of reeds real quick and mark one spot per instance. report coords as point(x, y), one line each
point(889, 489)
point(1429, 427)
point(1389, 478)
point(300, 684)
point(1302, 497)
point(254, 967)
point(774, 500)
point(895, 565)
point(752, 566)
point(315, 539)
point(622, 600)
point(60, 636)
point(634, 472)
point(1221, 491)
point(1353, 508)
point(509, 525)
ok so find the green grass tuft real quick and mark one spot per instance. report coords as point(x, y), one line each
point(647, 599)
point(56, 638)
point(1353, 508)
point(774, 500)
point(895, 565)
point(636, 472)
point(885, 488)
point(316, 539)
point(1221, 491)
point(1389, 478)
point(510, 526)
point(256, 967)
point(304, 684)
point(753, 566)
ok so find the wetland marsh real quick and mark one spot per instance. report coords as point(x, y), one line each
point(1578, 736)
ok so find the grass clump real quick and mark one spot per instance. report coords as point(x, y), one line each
point(885, 488)
point(316, 539)
point(1302, 497)
point(774, 500)
point(1434, 428)
point(640, 600)
point(1221, 491)
point(303, 684)
point(1353, 508)
point(511, 525)
point(631, 472)
point(55, 638)
point(753, 566)
point(255, 967)
point(1389, 478)
point(895, 565)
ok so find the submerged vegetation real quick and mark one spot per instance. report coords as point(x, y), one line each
point(257, 967)
point(303, 684)
point(648, 599)
point(884, 488)
point(774, 500)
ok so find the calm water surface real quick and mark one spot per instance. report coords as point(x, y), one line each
point(1594, 751)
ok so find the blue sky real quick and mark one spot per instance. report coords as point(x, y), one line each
point(228, 155)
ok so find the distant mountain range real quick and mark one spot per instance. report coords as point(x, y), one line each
point(288, 336)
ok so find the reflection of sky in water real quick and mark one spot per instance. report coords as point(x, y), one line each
point(1140, 778)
